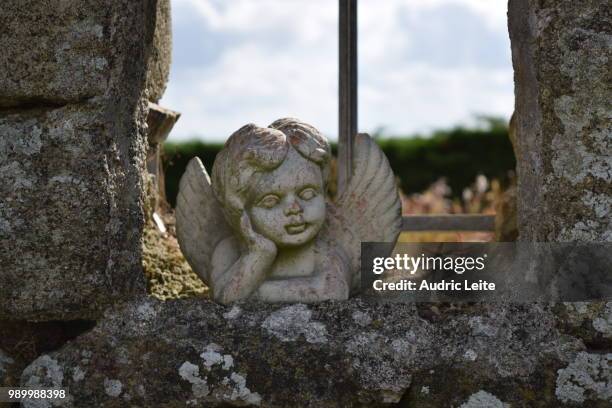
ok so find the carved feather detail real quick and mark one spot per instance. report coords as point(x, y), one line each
point(369, 209)
point(200, 223)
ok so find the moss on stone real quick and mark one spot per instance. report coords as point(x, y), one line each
point(168, 274)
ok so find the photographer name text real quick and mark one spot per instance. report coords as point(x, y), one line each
point(443, 285)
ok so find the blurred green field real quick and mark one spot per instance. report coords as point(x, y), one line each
point(458, 155)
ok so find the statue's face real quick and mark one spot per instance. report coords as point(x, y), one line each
point(288, 205)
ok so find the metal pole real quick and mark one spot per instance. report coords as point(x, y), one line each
point(347, 100)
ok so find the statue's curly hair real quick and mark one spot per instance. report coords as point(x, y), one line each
point(252, 150)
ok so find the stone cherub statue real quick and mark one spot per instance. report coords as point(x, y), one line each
point(264, 228)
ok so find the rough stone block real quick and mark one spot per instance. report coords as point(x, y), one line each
point(353, 353)
point(161, 52)
point(73, 108)
point(69, 228)
point(53, 51)
point(561, 56)
point(65, 51)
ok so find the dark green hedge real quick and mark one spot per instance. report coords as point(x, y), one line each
point(458, 154)
point(175, 159)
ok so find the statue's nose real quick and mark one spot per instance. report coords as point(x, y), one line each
point(293, 208)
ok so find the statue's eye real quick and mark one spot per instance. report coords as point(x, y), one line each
point(308, 193)
point(269, 201)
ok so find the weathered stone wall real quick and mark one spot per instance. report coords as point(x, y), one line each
point(562, 52)
point(353, 353)
point(76, 80)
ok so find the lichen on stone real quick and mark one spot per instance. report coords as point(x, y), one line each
point(5, 361)
point(362, 318)
point(211, 356)
point(240, 390)
point(78, 374)
point(191, 373)
point(480, 327)
point(232, 385)
point(208, 360)
point(603, 323)
point(483, 399)
point(588, 376)
point(292, 322)
point(113, 387)
point(44, 372)
point(233, 313)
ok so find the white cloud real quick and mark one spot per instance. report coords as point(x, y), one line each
point(423, 64)
point(421, 98)
point(309, 19)
point(248, 86)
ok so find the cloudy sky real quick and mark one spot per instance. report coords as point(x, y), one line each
point(423, 64)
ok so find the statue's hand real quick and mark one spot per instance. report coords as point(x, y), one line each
point(256, 243)
point(240, 278)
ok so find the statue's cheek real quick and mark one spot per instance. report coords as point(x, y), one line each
point(265, 221)
point(315, 210)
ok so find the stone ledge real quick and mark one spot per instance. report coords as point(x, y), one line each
point(352, 353)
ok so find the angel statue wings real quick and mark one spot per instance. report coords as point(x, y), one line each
point(264, 229)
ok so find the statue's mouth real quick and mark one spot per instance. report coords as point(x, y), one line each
point(295, 228)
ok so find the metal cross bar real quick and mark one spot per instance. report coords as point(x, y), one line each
point(453, 222)
point(347, 115)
